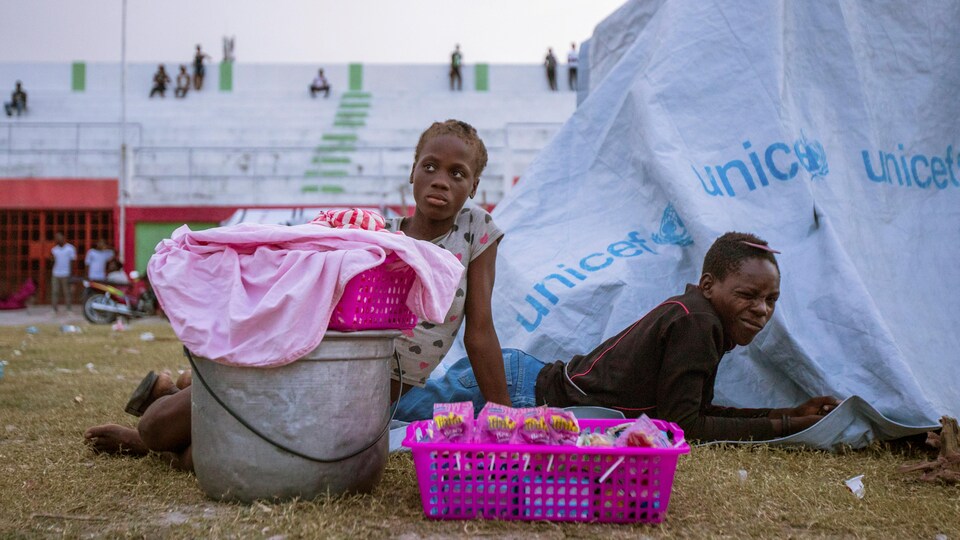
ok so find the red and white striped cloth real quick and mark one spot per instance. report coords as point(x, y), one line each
point(354, 218)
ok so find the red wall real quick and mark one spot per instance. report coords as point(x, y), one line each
point(57, 193)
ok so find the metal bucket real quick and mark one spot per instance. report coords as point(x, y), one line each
point(295, 430)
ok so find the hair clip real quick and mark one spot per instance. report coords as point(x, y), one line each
point(760, 246)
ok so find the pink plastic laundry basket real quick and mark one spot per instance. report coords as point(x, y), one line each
point(552, 483)
point(376, 299)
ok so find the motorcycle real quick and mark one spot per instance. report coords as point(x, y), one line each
point(105, 302)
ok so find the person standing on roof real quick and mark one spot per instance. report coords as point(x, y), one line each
point(551, 64)
point(456, 60)
point(198, 68)
point(573, 58)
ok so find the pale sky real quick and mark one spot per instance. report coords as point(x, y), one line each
point(300, 31)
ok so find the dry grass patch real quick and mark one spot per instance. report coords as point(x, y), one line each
point(52, 486)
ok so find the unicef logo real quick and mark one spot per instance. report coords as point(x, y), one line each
point(764, 167)
point(672, 230)
point(811, 156)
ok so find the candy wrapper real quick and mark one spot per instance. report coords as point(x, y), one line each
point(533, 427)
point(595, 439)
point(643, 433)
point(618, 429)
point(564, 428)
point(453, 422)
point(496, 424)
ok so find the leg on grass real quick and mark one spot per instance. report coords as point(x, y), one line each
point(117, 439)
point(165, 428)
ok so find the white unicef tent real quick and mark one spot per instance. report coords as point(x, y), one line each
point(829, 128)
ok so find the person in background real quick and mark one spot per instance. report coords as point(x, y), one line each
point(551, 64)
point(96, 261)
point(18, 101)
point(229, 43)
point(456, 61)
point(198, 68)
point(115, 273)
point(183, 82)
point(320, 84)
point(63, 254)
point(573, 58)
point(160, 82)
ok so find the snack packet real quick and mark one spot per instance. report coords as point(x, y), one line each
point(564, 428)
point(496, 424)
point(453, 422)
point(617, 430)
point(533, 427)
point(643, 433)
point(594, 439)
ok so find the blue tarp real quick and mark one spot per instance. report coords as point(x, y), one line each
point(828, 128)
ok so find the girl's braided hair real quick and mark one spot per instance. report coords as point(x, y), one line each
point(461, 130)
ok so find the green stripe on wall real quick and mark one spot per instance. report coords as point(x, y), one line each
point(352, 137)
point(149, 234)
point(356, 77)
point(226, 76)
point(481, 74)
point(79, 78)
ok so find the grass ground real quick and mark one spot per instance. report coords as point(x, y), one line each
point(51, 485)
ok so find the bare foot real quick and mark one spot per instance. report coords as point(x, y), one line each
point(115, 439)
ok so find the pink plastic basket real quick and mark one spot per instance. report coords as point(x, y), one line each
point(376, 299)
point(552, 483)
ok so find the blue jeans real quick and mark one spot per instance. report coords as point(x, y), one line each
point(14, 106)
point(459, 384)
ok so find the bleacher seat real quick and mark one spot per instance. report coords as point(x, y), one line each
point(266, 141)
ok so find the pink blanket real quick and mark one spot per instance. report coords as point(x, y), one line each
point(262, 295)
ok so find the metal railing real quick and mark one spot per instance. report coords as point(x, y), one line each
point(249, 174)
point(79, 149)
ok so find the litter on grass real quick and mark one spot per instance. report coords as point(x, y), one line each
point(855, 485)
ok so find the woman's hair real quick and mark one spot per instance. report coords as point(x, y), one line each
point(728, 253)
point(461, 130)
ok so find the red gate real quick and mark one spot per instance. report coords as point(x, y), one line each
point(26, 237)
